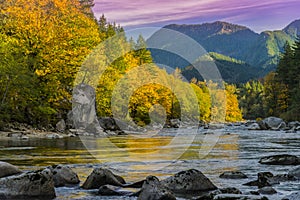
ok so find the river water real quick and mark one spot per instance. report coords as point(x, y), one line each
point(162, 154)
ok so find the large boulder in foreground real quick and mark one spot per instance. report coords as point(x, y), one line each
point(100, 177)
point(153, 190)
point(188, 182)
point(7, 169)
point(36, 184)
point(272, 123)
point(63, 176)
point(284, 159)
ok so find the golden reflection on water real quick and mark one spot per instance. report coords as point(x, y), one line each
point(133, 157)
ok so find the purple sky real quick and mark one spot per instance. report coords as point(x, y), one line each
point(258, 15)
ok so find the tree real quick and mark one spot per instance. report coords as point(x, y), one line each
point(53, 37)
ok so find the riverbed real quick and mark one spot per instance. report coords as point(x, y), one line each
point(161, 154)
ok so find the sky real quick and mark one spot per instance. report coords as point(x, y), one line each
point(258, 15)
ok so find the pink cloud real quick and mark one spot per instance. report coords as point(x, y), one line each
point(255, 13)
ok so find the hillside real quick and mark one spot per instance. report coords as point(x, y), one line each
point(232, 70)
point(259, 51)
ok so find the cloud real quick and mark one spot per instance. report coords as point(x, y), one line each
point(137, 13)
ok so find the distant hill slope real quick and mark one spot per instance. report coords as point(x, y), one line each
point(232, 70)
point(258, 51)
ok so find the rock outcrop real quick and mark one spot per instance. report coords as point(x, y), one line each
point(83, 115)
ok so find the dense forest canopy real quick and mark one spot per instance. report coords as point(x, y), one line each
point(44, 43)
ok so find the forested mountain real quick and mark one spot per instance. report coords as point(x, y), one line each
point(260, 52)
point(232, 70)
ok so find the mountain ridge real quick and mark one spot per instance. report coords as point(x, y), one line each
point(258, 50)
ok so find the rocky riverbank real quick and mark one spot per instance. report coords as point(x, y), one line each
point(188, 184)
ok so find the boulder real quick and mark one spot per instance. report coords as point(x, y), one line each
point(233, 175)
point(63, 176)
point(272, 123)
point(83, 115)
point(7, 169)
point(263, 179)
point(36, 184)
point(100, 177)
point(284, 159)
point(188, 182)
point(267, 190)
point(153, 190)
point(61, 126)
point(111, 124)
point(295, 173)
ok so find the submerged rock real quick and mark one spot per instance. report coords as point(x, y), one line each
point(267, 190)
point(188, 182)
point(284, 159)
point(238, 197)
point(110, 190)
point(7, 169)
point(100, 177)
point(63, 176)
point(37, 184)
point(153, 189)
point(233, 175)
point(293, 196)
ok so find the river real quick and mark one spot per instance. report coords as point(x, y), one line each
point(134, 157)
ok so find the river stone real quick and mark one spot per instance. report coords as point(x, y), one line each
point(83, 115)
point(295, 172)
point(38, 184)
point(233, 175)
point(267, 190)
point(100, 177)
point(63, 176)
point(238, 197)
point(7, 169)
point(61, 126)
point(110, 124)
point(272, 123)
point(187, 182)
point(263, 179)
point(284, 159)
point(153, 190)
